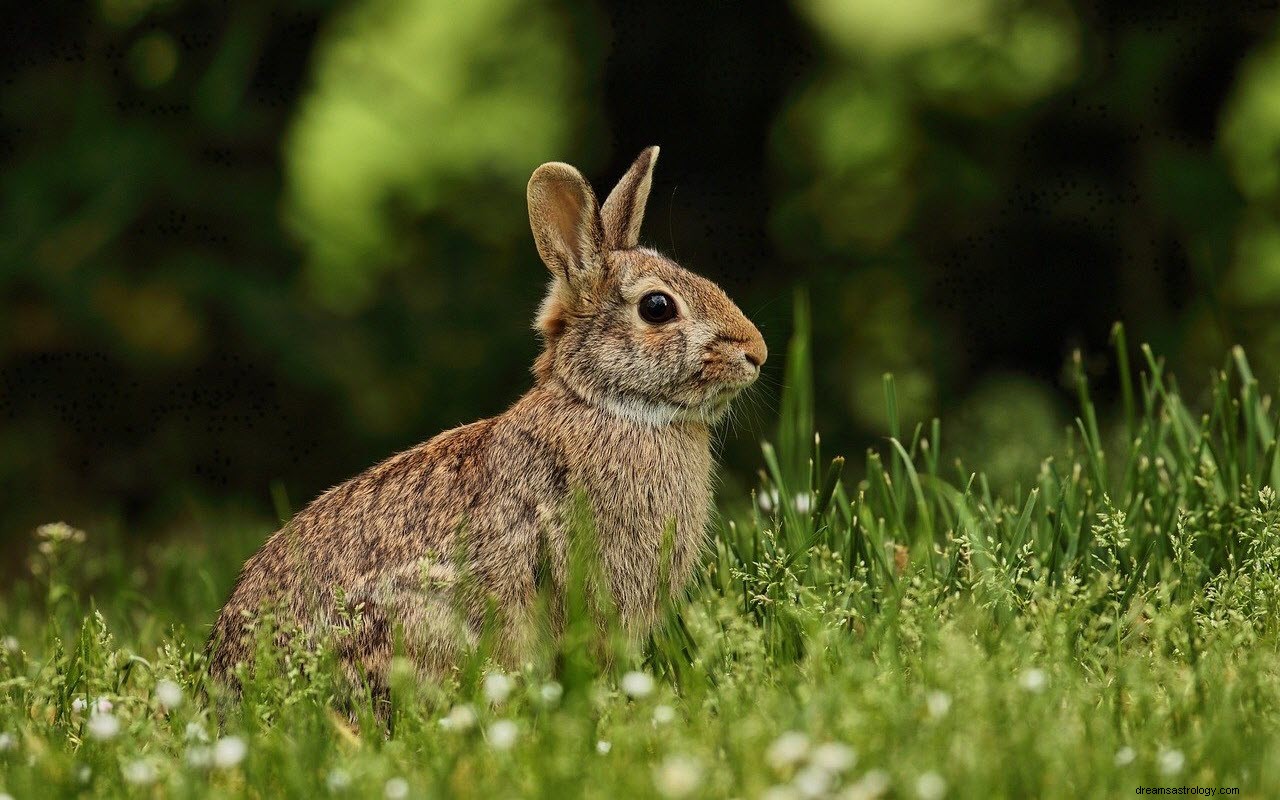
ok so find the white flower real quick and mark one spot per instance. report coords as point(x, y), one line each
point(1033, 680)
point(767, 500)
point(663, 715)
point(677, 776)
point(168, 694)
point(502, 734)
point(637, 684)
point(551, 692)
point(938, 703)
point(497, 687)
point(1171, 761)
point(102, 705)
point(337, 780)
point(229, 751)
point(931, 786)
point(196, 732)
point(103, 726)
point(396, 789)
point(12, 645)
point(5, 796)
point(461, 718)
point(603, 747)
point(8, 742)
point(870, 786)
point(139, 773)
point(1125, 756)
point(803, 502)
point(812, 781)
point(788, 749)
point(834, 757)
point(200, 756)
point(83, 773)
point(784, 792)
point(79, 704)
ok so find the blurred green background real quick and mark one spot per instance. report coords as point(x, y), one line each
point(249, 248)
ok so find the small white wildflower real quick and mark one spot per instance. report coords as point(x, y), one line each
point(196, 733)
point(396, 789)
point(5, 796)
point(12, 645)
point(168, 694)
point(102, 705)
point(502, 734)
point(637, 684)
point(834, 757)
point(938, 703)
point(1171, 761)
point(803, 502)
point(931, 786)
point(229, 751)
point(677, 776)
point(79, 704)
point(200, 756)
point(603, 747)
point(788, 749)
point(337, 780)
point(663, 715)
point(103, 726)
point(8, 742)
point(497, 687)
point(139, 773)
point(461, 718)
point(767, 500)
point(83, 773)
point(1125, 756)
point(870, 786)
point(1033, 680)
point(812, 781)
point(551, 692)
point(784, 792)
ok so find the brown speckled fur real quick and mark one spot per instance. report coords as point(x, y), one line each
point(424, 542)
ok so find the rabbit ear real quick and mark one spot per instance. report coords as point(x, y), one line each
point(565, 219)
point(623, 212)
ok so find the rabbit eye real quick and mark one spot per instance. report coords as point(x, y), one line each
point(657, 308)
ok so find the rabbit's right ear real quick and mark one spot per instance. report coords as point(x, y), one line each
point(565, 219)
point(623, 209)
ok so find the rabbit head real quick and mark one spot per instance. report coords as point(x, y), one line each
point(625, 328)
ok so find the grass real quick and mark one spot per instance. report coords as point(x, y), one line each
point(1111, 625)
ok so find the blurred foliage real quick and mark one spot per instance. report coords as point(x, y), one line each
point(252, 244)
point(418, 109)
point(966, 176)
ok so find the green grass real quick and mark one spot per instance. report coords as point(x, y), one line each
point(1112, 624)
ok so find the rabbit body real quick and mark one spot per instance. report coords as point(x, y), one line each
point(417, 551)
point(501, 484)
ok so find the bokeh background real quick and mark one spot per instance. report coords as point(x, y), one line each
point(249, 248)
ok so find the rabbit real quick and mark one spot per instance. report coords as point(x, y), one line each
point(640, 360)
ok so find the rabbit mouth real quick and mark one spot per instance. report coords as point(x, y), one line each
point(720, 398)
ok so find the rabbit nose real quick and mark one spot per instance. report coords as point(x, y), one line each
point(755, 351)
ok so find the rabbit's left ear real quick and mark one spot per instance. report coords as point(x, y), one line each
point(566, 223)
point(623, 211)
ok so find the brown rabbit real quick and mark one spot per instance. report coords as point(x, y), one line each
point(640, 359)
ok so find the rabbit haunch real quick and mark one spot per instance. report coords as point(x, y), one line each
point(430, 542)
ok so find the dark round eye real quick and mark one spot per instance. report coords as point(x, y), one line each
point(657, 308)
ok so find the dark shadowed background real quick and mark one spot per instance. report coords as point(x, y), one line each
point(249, 248)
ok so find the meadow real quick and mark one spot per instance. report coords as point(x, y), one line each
point(902, 629)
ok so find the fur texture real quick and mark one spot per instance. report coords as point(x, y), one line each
point(423, 545)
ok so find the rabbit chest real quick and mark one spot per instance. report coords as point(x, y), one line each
point(642, 481)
